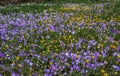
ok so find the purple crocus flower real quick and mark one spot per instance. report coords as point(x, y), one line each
point(47, 70)
point(73, 32)
point(52, 28)
point(116, 67)
point(3, 31)
point(92, 42)
point(1, 54)
point(89, 65)
point(77, 68)
point(46, 74)
point(30, 63)
point(113, 31)
point(118, 59)
point(14, 74)
point(118, 48)
point(65, 74)
point(88, 47)
point(84, 71)
point(78, 45)
point(104, 26)
point(55, 73)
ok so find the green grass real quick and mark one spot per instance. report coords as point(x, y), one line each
point(35, 8)
point(26, 8)
point(81, 1)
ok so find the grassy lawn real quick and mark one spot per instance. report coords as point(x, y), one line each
point(55, 4)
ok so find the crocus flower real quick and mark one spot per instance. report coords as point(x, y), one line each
point(1, 54)
point(14, 74)
point(118, 48)
point(116, 67)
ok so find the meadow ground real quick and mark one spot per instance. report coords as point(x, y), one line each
point(65, 38)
